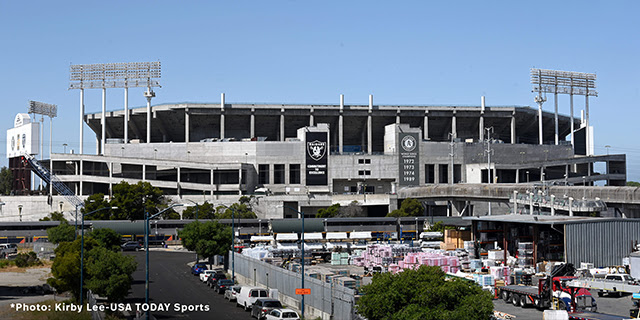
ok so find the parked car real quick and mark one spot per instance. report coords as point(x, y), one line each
point(223, 284)
point(198, 268)
point(262, 306)
point(232, 292)
point(249, 295)
point(213, 279)
point(8, 248)
point(278, 314)
point(131, 246)
point(204, 275)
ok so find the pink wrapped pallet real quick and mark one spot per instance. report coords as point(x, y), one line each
point(454, 269)
point(445, 268)
point(401, 264)
point(453, 261)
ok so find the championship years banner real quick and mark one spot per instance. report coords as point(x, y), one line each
point(409, 159)
point(317, 154)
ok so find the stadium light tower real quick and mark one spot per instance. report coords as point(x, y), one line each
point(563, 82)
point(51, 111)
point(115, 75)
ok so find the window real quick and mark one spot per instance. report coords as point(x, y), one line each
point(429, 175)
point(364, 172)
point(294, 173)
point(263, 174)
point(364, 161)
point(444, 173)
point(278, 173)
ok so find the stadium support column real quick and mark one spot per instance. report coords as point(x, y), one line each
point(103, 121)
point(81, 119)
point(311, 120)
point(425, 127)
point(341, 125)
point(252, 123)
point(186, 125)
point(126, 115)
point(222, 116)
point(282, 124)
point(369, 129)
point(398, 116)
point(555, 117)
point(481, 125)
point(587, 131)
point(454, 126)
point(571, 119)
point(513, 127)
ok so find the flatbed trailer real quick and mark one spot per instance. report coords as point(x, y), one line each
point(521, 295)
point(594, 316)
point(605, 286)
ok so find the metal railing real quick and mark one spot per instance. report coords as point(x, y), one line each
point(47, 176)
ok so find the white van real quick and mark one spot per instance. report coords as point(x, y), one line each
point(248, 295)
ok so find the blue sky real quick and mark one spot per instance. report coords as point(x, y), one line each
point(402, 52)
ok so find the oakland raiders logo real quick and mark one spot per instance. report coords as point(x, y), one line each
point(408, 143)
point(316, 149)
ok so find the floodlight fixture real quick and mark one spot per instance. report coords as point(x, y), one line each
point(563, 82)
point(114, 75)
point(45, 109)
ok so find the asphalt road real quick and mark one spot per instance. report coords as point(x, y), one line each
point(171, 281)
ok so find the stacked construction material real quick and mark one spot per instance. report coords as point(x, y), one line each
point(525, 254)
point(501, 273)
point(413, 260)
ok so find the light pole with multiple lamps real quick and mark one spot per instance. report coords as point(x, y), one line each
point(146, 249)
point(197, 207)
point(233, 243)
point(82, 247)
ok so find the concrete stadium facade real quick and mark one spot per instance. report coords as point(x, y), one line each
point(217, 152)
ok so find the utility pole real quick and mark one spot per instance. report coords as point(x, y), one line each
point(489, 140)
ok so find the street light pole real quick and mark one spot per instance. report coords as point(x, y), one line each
point(233, 243)
point(82, 248)
point(197, 207)
point(146, 249)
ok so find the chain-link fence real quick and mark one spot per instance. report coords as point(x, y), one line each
point(333, 301)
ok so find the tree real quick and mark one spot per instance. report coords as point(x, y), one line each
point(206, 239)
point(633, 184)
point(329, 212)
point(354, 209)
point(96, 202)
point(423, 294)
point(6, 181)
point(55, 216)
point(107, 238)
point(205, 211)
point(133, 200)
point(409, 208)
point(63, 232)
point(242, 211)
point(107, 273)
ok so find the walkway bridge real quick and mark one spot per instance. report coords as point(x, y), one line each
point(566, 198)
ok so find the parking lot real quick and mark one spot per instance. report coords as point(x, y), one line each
point(171, 282)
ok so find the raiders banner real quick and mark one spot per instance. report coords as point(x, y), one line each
point(409, 159)
point(317, 149)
